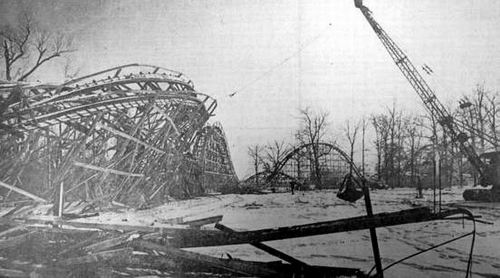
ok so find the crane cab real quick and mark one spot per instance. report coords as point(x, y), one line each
point(491, 174)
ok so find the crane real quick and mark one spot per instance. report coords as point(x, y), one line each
point(489, 173)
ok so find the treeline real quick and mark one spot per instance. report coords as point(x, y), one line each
point(313, 128)
point(409, 147)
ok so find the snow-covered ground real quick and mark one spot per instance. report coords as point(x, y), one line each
point(353, 249)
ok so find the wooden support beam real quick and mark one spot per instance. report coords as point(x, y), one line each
point(23, 192)
point(185, 238)
point(182, 260)
point(269, 249)
point(106, 170)
point(15, 240)
point(16, 209)
point(4, 272)
point(98, 257)
point(168, 119)
point(87, 241)
point(234, 266)
point(11, 230)
point(126, 136)
point(203, 221)
point(108, 243)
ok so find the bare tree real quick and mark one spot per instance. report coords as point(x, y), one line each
point(255, 153)
point(413, 135)
point(313, 128)
point(28, 42)
point(363, 149)
point(492, 115)
point(380, 140)
point(274, 153)
point(388, 143)
point(398, 138)
point(351, 133)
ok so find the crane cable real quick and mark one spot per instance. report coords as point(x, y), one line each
point(282, 62)
point(468, 272)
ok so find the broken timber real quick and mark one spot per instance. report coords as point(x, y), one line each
point(23, 192)
point(184, 238)
point(269, 250)
point(196, 224)
point(98, 257)
point(195, 238)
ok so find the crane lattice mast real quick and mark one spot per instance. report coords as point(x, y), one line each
point(426, 94)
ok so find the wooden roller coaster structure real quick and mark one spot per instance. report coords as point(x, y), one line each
point(131, 134)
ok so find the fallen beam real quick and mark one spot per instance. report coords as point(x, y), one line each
point(203, 238)
point(234, 266)
point(23, 192)
point(108, 243)
point(15, 240)
point(89, 240)
point(12, 273)
point(131, 138)
point(269, 249)
point(155, 107)
point(203, 221)
point(184, 238)
point(98, 257)
point(191, 261)
point(11, 230)
point(107, 170)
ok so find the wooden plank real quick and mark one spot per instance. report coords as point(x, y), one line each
point(14, 210)
point(203, 221)
point(80, 244)
point(172, 124)
point(4, 272)
point(269, 249)
point(184, 238)
point(68, 216)
point(15, 240)
point(11, 230)
point(108, 243)
point(23, 192)
point(15, 203)
point(126, 136)
point(106, 170)
point(97, 257)
point(234, 266)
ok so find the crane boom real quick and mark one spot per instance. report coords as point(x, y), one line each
point(426, 94)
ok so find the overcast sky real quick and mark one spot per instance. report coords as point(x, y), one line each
point(228, 46)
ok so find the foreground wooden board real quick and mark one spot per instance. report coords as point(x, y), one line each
point(191, 260)
point(195, 238)
point(184, 238)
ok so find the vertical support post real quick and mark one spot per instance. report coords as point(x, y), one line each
point(437, 179)
point(373, 233)
point(59, 200)
point(434, 178)
point(49, 159)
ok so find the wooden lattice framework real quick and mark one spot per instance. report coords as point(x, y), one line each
point(126, 134)
point(297, 165)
